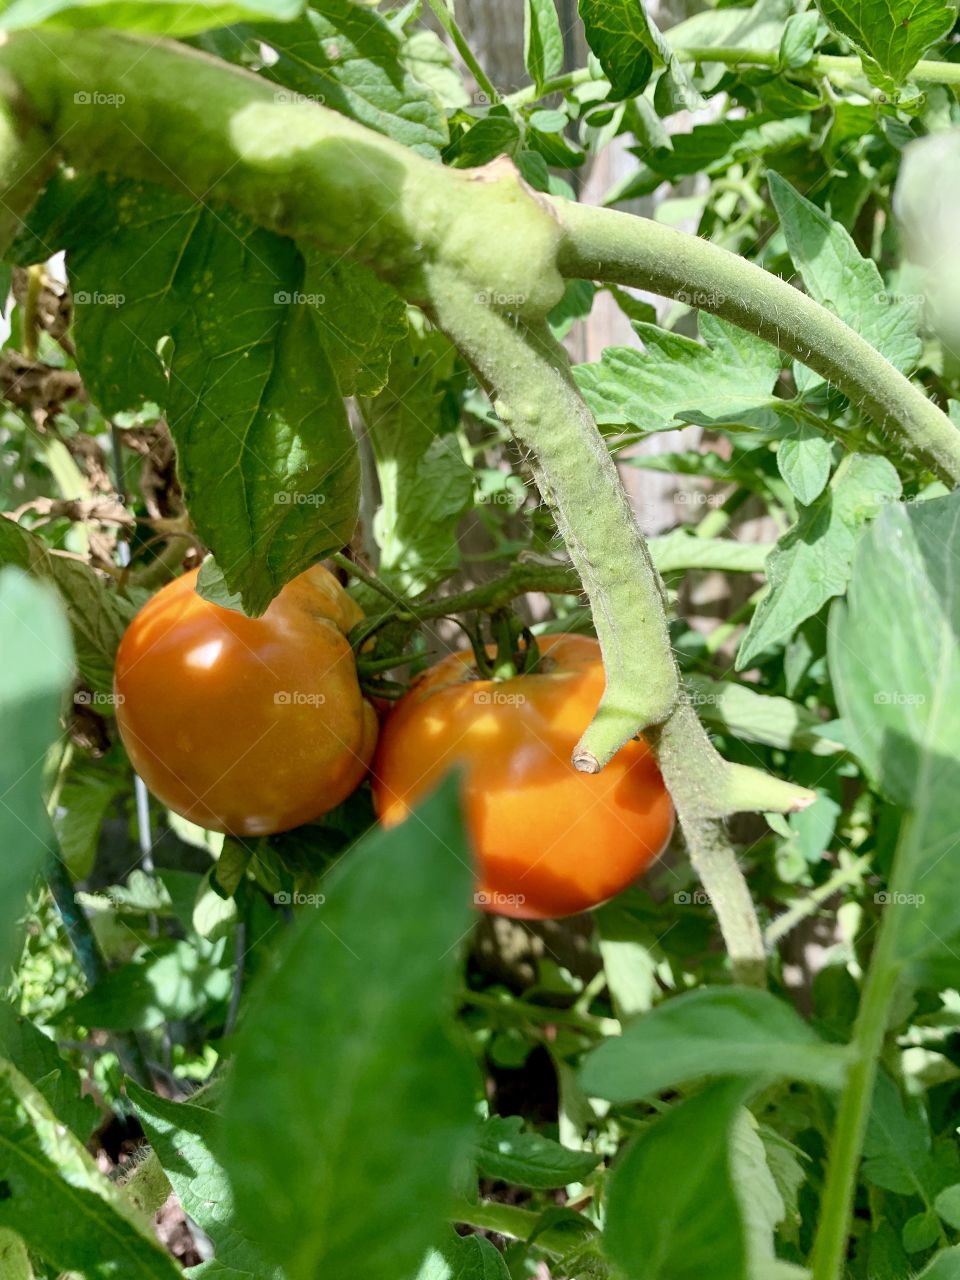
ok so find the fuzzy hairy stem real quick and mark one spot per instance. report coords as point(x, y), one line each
point(602, 244)
point(528, 376)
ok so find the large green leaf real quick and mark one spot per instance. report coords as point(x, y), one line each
point(184, 1137)
point(813, 560)
point(37, 1058)
point(36, 665)
point(266, 457)
point(728, 376)
point(893, 36)
point(672, 1210)
point(152, 17)
point(56, 1198)
point(716, 1031)
point(895, 664)
point(347, 1070)
point(345, 56)
point(98, 613)
point(835, 274)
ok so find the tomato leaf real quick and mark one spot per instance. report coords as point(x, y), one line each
point(504, 1151)
point(347, 57)
point(813, 560)
point(803, 460)
point(835, 274)
point(425, 484)
point(36, 665)
point(359, 320)
point(891, 38)
point(98, 613)
point(249, 393)
point(542, 40)
point(693, 1226)
point(894, 660)
point(464, 1258)
point(56, 1198)
point(715, 1031)
point(730, 376)
point(346, 1062)
point(160, 17)
point(629, 45)
point(185, 1137)
point(38, 1059)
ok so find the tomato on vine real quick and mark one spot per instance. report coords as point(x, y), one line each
point(549, 841)
point(245, 725)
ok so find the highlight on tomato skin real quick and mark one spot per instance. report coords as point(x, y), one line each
point(549, 841)
point(245, 725)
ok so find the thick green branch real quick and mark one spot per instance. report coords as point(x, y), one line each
point(292, 166)
point(528, 376)
point(602, 244)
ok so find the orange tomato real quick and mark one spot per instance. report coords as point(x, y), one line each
point(245, 725)
point(549, 841)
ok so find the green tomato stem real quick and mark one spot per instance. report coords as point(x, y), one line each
point(603, 244)
point(873, 1015)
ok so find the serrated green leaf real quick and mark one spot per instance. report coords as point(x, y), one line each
point(628, 45)
point(185, 1136)
point(249, 394)
point(715, 1031)
point(369, 1070)
point(803, 460)
point(713, 148)
point(176, 980)
point(896, 1148)
point(36, 665)
point(359, 320)
point(893, 36)
point(429, 61)
point(425, 484)
point(490, 137)
point(813, 560)
point(851, 286)
point(38, 1059)
point(503, 1151)
point(692, 1227)
point(97, 612)
point(347, 57)
point(894, 661)
point(151, 17)
point(56, 1198)
point(728, 376)
point(542, 40)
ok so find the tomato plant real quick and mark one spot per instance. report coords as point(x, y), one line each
point(193, 678)
point(624, 339)
point(549, 840)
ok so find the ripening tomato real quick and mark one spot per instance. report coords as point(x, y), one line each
point(245, 725)
point(549, 841)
